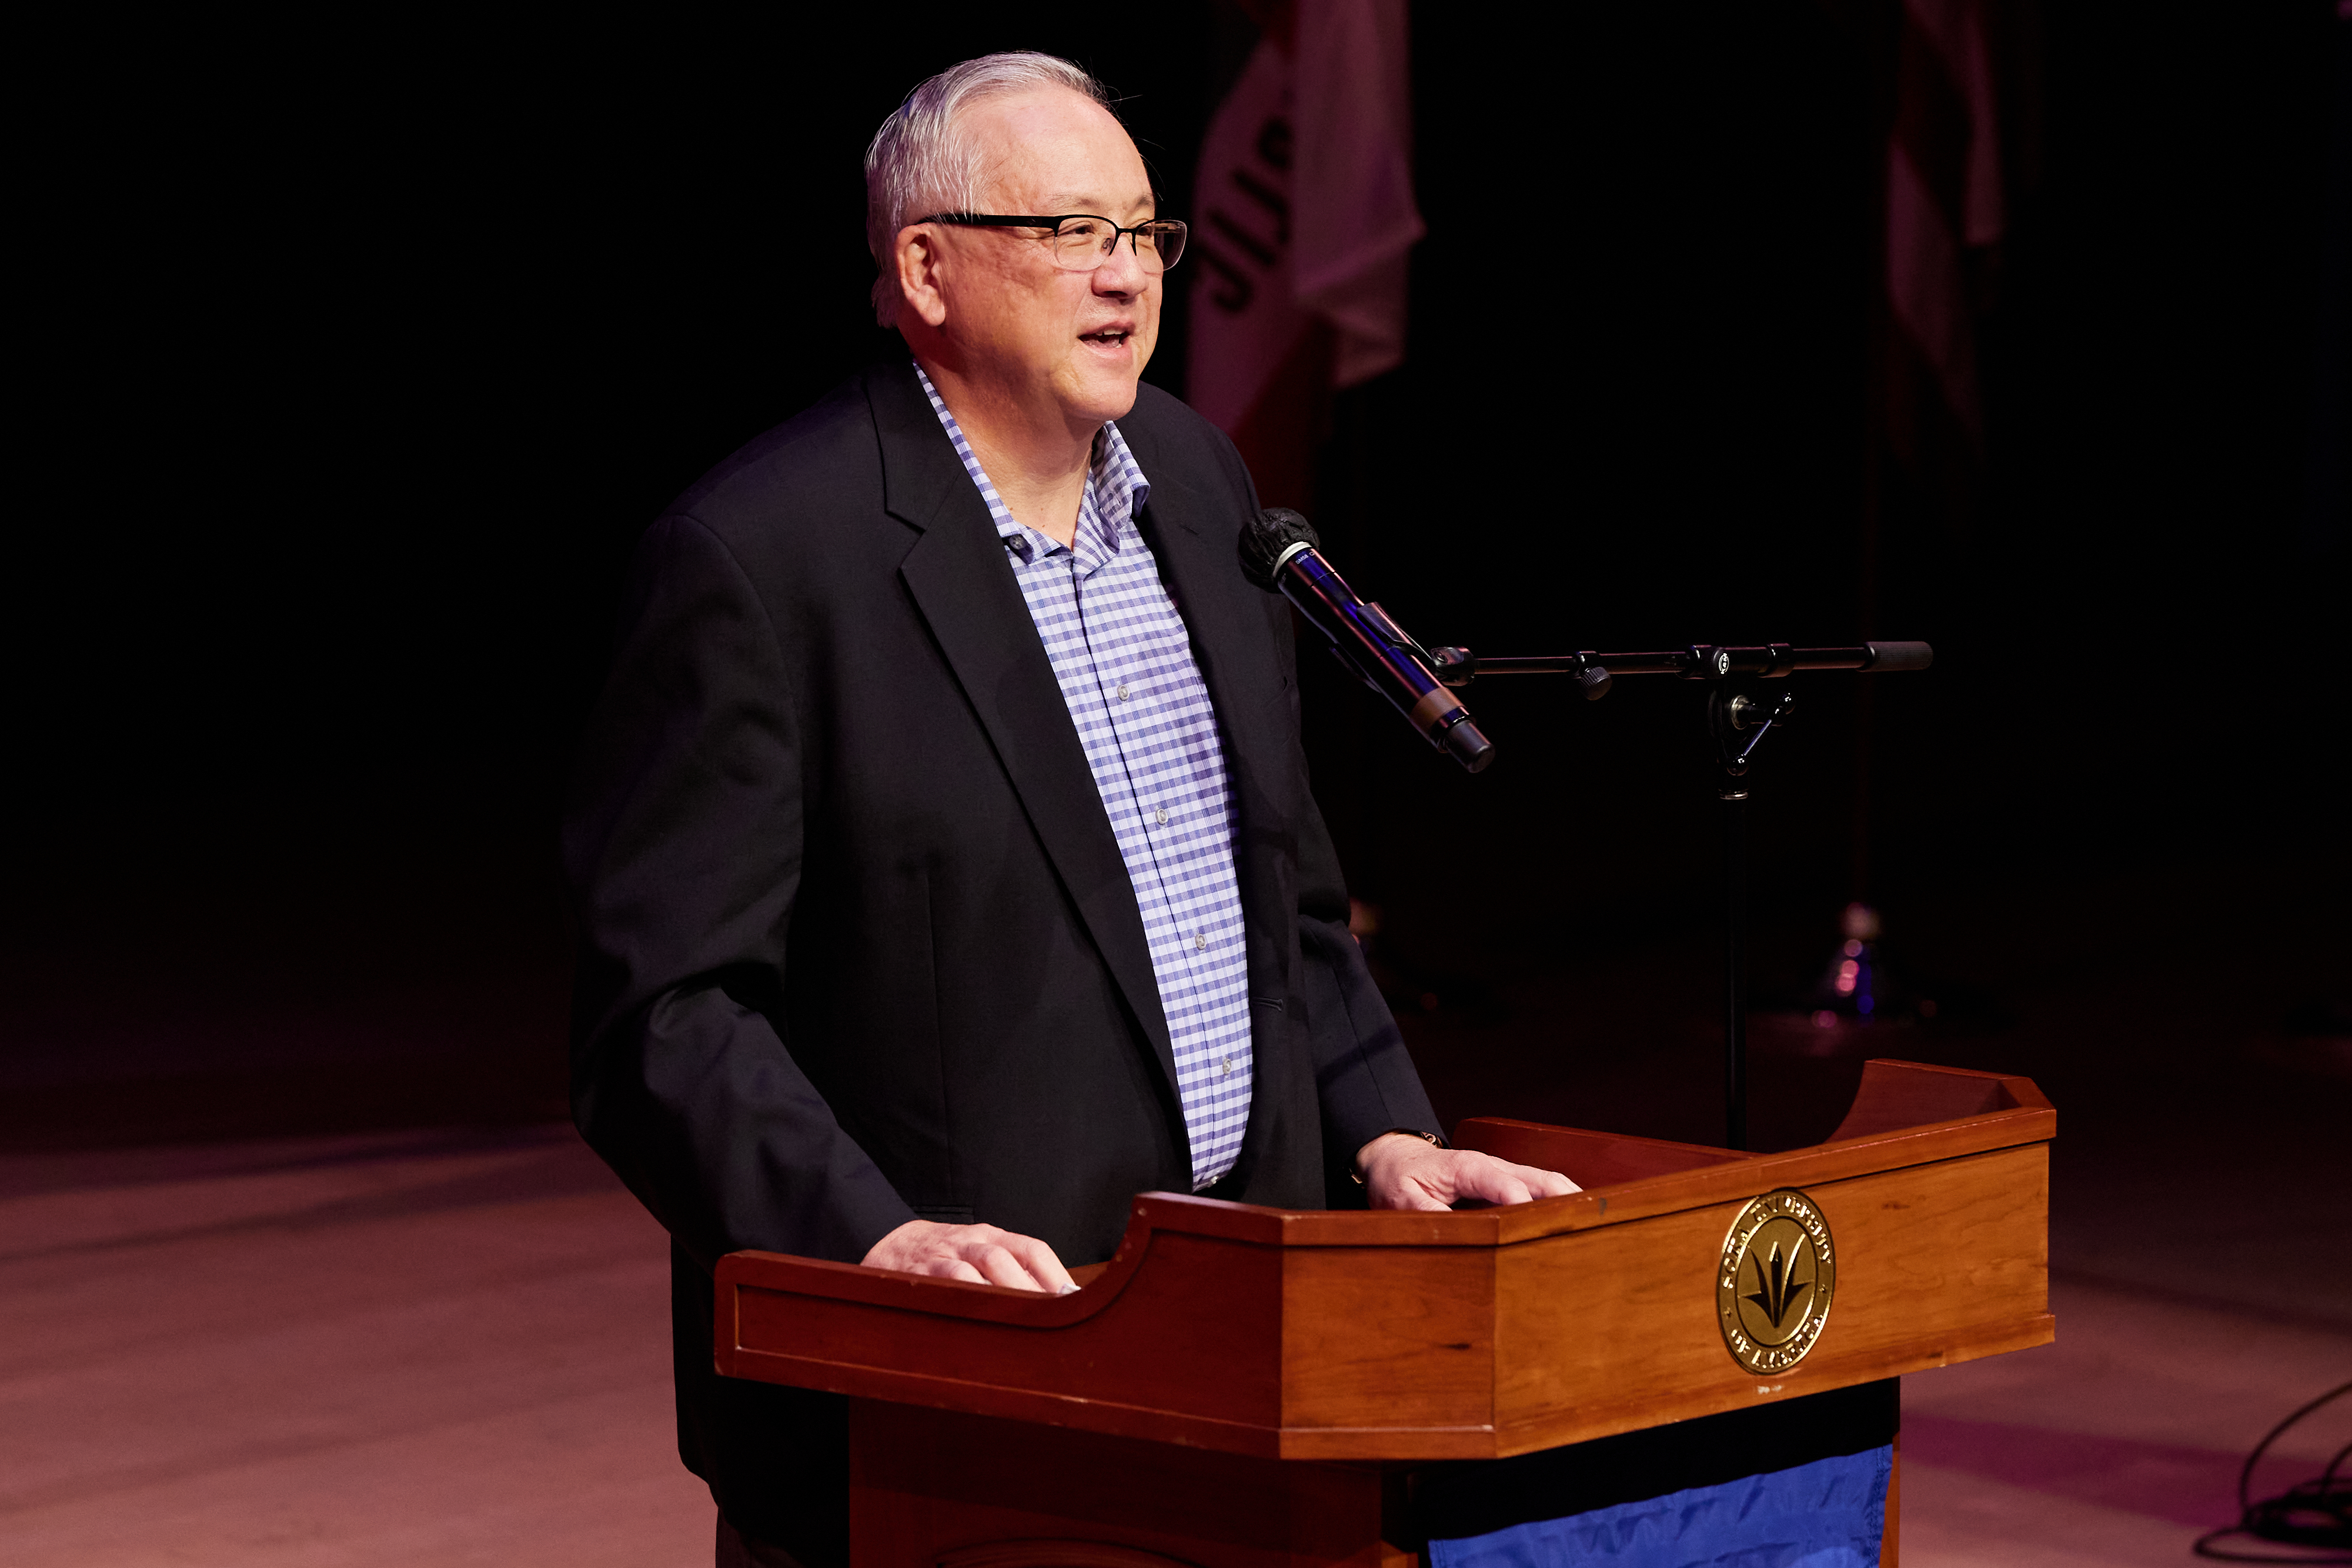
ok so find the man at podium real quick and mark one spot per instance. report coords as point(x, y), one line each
point(944, 860)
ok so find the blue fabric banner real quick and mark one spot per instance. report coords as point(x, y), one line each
point(1827, 1514)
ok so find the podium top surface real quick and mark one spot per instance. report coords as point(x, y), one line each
point(1472, 1334)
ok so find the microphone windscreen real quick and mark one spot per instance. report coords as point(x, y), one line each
point(1263, 538)
point(1890, 657)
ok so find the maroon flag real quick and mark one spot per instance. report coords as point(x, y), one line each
point(1303, 219)
point(1944, 215)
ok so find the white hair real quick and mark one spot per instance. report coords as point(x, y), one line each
point(919, 162)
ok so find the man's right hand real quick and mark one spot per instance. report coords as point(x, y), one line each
point(979, 1253)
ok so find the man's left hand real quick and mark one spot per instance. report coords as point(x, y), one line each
point(1402, 1171)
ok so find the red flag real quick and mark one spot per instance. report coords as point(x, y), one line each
point(1943, 207)
point(1303, 219)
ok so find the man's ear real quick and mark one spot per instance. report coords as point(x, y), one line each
point(919, 262)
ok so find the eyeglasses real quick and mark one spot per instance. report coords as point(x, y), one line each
point(1082, 242)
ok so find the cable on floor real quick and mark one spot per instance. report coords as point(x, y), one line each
point(2316, 1515)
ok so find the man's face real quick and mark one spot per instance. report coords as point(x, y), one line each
point(1045, 339)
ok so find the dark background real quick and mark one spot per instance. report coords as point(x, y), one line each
point(352, 361)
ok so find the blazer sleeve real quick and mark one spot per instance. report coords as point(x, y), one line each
point(1364, 1076)
point(682, 845)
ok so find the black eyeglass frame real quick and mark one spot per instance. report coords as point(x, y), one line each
point(1054, 226)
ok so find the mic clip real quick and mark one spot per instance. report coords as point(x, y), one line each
point(1457, 667)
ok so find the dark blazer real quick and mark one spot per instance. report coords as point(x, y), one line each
point(858, 946)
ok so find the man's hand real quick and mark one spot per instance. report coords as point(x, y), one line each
point(979, 1253)
point(1402, 1171)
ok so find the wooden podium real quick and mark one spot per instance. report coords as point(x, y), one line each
point(1243, 1385)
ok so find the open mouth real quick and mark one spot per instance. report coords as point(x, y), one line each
point(1110, 337)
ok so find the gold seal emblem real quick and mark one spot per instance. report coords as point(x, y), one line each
point(1772, 1292)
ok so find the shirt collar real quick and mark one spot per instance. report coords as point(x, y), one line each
point(1115, 490)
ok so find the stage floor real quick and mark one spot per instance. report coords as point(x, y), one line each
point(427, 1348)
point(452, 1348)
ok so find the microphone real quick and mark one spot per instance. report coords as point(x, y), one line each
point(1281, 554)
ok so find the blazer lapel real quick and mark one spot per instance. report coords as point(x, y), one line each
point(961, 582)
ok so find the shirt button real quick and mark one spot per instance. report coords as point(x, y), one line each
point(1199, 943)
point(1228, 1067)
point(1162, 815)
point(1122, 690)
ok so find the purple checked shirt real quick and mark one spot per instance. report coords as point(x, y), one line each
point(1124, 664)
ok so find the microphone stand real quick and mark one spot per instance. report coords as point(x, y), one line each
point(1745, 701)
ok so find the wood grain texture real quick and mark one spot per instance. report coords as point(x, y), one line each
point(934, 1487)
point(1890, 1544)
point(1369, 1332)
point(1933, 1261)
point(1055, 1554)
point(1360, 1336)
point(1897, 1094)
point(1590, 1159)
point(1158, 1365)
